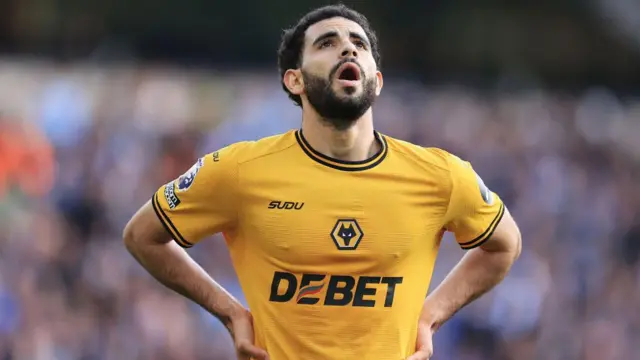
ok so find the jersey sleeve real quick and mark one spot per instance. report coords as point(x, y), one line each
point(474, 211)
point(201, 202)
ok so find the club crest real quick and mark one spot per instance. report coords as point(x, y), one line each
point(346, 234)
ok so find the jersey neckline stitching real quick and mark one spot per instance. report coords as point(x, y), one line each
point(343, 164)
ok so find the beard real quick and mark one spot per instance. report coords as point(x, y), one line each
point(339, 112)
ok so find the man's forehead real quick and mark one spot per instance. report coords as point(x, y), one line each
point(336, 24)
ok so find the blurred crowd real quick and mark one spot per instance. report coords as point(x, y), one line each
point(82, 147)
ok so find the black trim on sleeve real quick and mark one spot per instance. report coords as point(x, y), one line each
point(168, 225)
point(486, 234)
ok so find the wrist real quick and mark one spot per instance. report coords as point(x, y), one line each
point(232, 314)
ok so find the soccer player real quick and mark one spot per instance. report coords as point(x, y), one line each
point(333, 228)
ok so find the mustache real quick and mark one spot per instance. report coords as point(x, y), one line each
point(334, 70)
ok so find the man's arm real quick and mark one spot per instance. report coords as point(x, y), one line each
point(481, 269)
point(150, 244)
point(483, 226)
point(201, 202)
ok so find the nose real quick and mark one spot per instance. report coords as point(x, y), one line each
point(349, 50)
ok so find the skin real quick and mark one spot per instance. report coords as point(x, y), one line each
point(478, 272)
point(357, 142)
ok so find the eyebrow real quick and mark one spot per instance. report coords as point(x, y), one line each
point(332, 34)
point(359, 37)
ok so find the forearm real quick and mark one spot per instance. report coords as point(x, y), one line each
point(174, 268)
point(477, 273)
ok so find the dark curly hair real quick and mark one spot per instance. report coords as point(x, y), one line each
point(290, 51)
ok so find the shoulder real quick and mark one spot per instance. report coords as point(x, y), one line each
point(221, 166)
point(246, 151)
point(431, 159)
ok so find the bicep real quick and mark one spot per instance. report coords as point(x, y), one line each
point(145, 226)
point(506, 236)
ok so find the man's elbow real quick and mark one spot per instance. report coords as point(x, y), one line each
point(144, 229)
point(506, 238)
point(129, 236)
point(517, 242)
point(512, 238)
point(509, 237)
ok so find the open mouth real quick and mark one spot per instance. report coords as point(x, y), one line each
point(349, 72)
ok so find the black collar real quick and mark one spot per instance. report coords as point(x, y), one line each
point(342, 164)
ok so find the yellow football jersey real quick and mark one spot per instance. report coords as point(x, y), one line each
point(334, 257)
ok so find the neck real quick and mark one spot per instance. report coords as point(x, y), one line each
point(356, 143)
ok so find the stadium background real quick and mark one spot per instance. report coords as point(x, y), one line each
point(103, 101)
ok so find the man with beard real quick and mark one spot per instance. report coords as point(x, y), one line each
point(334, 228)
